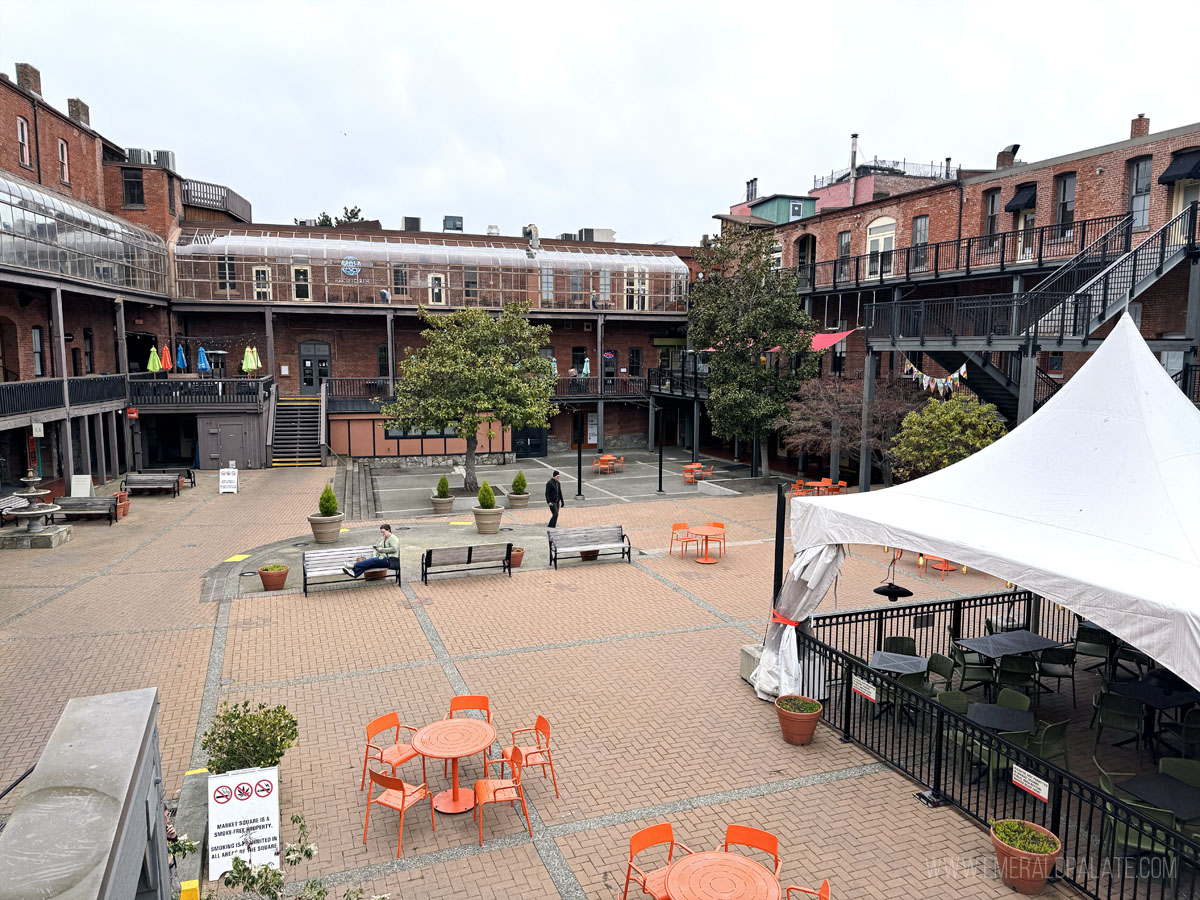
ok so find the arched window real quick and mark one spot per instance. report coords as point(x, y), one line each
point(881, 240)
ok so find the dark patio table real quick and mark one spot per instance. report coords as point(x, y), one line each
point(898, 663)
point(1166, 792)
point(1000, 718)
point(1156, 695)
point(1008, 643)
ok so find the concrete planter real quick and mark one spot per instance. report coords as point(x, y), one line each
point(273, 580)
point(326, 529)
point(487, 521)
point(442, 505)
point(798, 728)
point(518, 501)
point(1026, 872)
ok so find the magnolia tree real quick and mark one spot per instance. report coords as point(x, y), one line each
point(943, 433)
point(475, 368)
point(745, 308)
point(823, 401)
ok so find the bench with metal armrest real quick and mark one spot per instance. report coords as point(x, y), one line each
point(600, 539)
point(466, 559)
point(322, 563)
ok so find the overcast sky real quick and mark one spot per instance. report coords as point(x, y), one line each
point(644, 117)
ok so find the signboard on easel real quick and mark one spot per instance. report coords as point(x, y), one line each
point(243, 819)
point(228, 481)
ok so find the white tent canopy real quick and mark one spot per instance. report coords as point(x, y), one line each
point(1094, 503)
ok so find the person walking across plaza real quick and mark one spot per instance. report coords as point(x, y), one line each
point(387, 555)
point(554, 498)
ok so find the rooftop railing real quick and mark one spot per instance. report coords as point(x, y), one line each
point(207, 195)
point(879, 166)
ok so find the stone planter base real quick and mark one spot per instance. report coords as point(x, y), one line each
point(487, 521)
point(518, 501)
point(442, 505)
point(326, 529)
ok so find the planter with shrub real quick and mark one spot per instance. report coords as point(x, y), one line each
point(442, 501)
point(244, 738)
point(327, 523)
point(798, 717)
point(517, 557)
point(273, 576)
point(518, 497)
point(487, 514)
point(1026, 853)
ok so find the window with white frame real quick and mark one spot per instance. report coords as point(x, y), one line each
point(262, 283)
point(991, 211)
point(577, 281)
point(881, 241)
point(548, 285)
point(920, 237)
point(437, 289)
point(636, 283)
point(226, 274)
point(777, 257)
point(605, 290)
point(1139, 191)
point(302, 282)
point(39, 352)
point(23, 142)
point(1064, 203)
point(471, 282)
point(400, 279)
point(64, 166)
point(843, 256)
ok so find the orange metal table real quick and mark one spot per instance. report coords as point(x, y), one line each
point(717, 875)
point(452, 739)
point(706, 532)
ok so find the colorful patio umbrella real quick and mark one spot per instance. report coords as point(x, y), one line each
point(154, 365)
point(202, 361)
point(587, 366)
point(257, 359)
point(180, 359)
point(248, 361)
point(554, 366)
point(165, 358)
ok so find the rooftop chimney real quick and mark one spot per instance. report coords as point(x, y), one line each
point(29, 78)
point(1139, 127)
point(79, 112)
point(1006, 157)
point(751, 189)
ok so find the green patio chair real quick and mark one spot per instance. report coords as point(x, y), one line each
point(1121, 714)
point(955, 701)
point(1091, 641)
point(997, 759)
point(1106, 781)
point(1187, 732)
point(974, 669)
point(1058, 663)
point(1145, 836)
point(940, 667)
point(1186, 770)
point(1018, 672)
point(1012, 699)
point(900, 644)
point(1050, 742)
point(914, 681)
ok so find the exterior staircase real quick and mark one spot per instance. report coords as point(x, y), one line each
point(995, 377)
point(297, 432)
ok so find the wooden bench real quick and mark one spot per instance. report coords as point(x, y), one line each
point(151, 482)
point(188, 475)
point(9, 503)
point(603, 539)
point(319, 563)
point(467, 559)
point(88, 506)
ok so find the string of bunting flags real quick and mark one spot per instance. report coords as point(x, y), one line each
point(932, 384)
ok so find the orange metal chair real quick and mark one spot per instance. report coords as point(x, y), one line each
point(392, 755)
point(745, 836)
point(500, 790)
point(620, 463)
point(937, 562)
point(708, 472)
point(653, 882)
point(463, 703)
point(398, 796)
point(595, 464)
point(689, 476)
point(679, 532)
point(822, 893)
point(537, 755)
point(718, 540)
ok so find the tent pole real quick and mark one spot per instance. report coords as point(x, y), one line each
point(864, 444)
point(780, 517)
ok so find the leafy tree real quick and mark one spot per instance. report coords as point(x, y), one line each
point(327, 503)
point(943, 433)
point(475, 368)
point(241, 738)
point(349, 214)
point(743, 308)
point(809, 427)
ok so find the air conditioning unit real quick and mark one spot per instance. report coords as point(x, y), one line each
point(165, 158)
point(567, 236)
point(452, 223)
point(493, 230)
point(138, 156)
point(587, 326)
point(308, 223)
point(412, 223)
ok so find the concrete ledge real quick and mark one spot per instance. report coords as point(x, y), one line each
point(52, 536)
point(715, 490)
point(751, 654)
point(191, 820)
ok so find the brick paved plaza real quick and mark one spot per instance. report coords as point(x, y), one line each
point(635, 666)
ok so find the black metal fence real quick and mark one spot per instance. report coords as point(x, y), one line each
point(593, 386)
point(198, 392)
point(96, 389)
point(18, 397)
point(1110, 850)
point(678, 382)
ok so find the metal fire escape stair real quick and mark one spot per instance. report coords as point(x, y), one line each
point(297, 432)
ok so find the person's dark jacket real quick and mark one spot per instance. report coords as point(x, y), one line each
point(554, 492)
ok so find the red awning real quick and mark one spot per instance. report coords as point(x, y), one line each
point(825, 341)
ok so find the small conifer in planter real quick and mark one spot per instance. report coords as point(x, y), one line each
point(518, 496)
point(487, 514)
point(442, 501)
point(327, 523)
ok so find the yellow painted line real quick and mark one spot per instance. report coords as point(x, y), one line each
point(189, 890)
point(462, 523)
point(343, 529)
point(195, 771)
point(238, 557)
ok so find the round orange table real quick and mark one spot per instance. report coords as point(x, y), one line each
point(717, 875)
point(452, 739)
point(706, 532)
point(817, 487)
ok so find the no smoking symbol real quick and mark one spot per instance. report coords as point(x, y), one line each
point(263, 788)
point(243, 791)
point(222, 794)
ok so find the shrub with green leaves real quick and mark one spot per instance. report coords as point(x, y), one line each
point(798, 705)
point(487, 499)
point(328, 503)
point(243, 738)
point(1020, 836)
point(443, 487)
point(272, 567)
point(519, 483)
point(943, 433)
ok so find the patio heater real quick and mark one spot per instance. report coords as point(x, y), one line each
point(890, 589)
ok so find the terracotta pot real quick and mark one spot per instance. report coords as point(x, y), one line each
point(487, 521)
point(518, 501)
point(375, 574)
point(589, 554)
point(517, 557)
point(326, 529)
point(797, 728)
point(122, 504)
point(1023, 871)
point(274, 580)
point(442, 505)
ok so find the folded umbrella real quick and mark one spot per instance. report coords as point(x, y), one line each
point(257, 359)
point(202, 361)
point(154, 365)
point(587, 366)
point(180, 359)
point(554, 365)
point(248, 361)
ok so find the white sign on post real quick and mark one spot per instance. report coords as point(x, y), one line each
point(1031, 784)
point(243, 819)
point(39, 429)
point(863, 688)
point(593, 428)
point(228, 482)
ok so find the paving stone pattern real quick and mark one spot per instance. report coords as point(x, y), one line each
point(635, 666)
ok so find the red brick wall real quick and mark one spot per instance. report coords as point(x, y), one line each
point(16, 322)
point(156, 215)
point(84, 149)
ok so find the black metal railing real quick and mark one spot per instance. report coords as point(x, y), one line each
point(1188, 379)
point(1105, 841)
point(593, 386)
point(879, 166)
point(95, 389)
point(30, 396)
point(1030, 246)
point(357, 388)
point(148, 391)
point(216, 196)
point(678, 382)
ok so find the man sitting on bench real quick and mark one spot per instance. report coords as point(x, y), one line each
point(388, 550)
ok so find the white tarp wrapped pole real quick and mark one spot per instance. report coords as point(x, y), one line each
point(808, 581)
